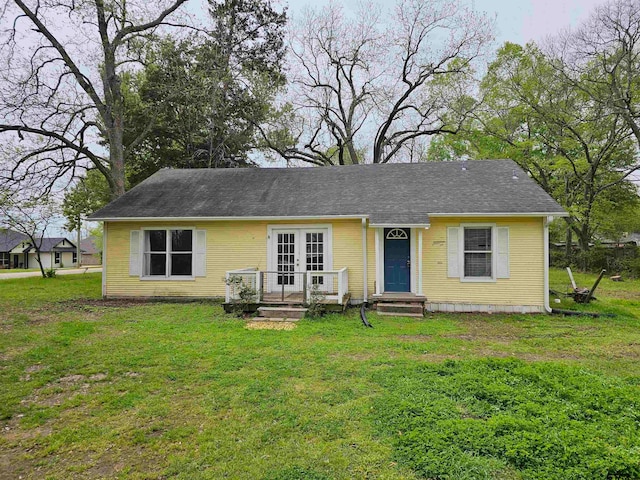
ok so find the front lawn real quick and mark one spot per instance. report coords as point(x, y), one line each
point(93, 389)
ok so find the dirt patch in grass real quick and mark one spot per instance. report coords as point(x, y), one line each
point(56, 393)
point(530, 357)
point(12, 352)
point(106, 302)
point(13, 461)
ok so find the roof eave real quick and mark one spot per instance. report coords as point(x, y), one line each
point(326, 217)
point(399, 225)
point(501, 214)
point(234, 219)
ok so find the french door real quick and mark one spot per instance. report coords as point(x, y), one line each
point(294, 252)
point(287, 257)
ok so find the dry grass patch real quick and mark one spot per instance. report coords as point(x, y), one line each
point(265, 325)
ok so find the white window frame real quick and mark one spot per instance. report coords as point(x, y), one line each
point(167, 252)
point(57, 258)
point(493, 252)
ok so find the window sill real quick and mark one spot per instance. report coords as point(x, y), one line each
point(478, 279)
point(177, 278)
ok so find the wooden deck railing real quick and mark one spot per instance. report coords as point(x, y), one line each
point(294, 287)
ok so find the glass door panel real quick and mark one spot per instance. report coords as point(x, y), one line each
point(286, 257)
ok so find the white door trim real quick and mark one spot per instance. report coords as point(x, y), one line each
point(300, 230)
point(380, 239)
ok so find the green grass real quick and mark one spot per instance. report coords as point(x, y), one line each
point(166, 390)
point(19, 270)
point(23, 270)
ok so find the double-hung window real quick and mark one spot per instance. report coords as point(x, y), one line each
point(168, 253)
point(56, 259)
point(478, 253)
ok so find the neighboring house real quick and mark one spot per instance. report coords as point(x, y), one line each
point(462, 236)
point(627, 240)
point(56, 252)
point(16, 251)
point(632, 238)
point(10, 240)
point(91, 254)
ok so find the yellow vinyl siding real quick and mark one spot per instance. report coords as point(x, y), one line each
point(241, 244)
point(230, 245)
point(525, 285)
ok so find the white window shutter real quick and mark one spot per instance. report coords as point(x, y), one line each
point(453, 244)
point(135, 262)
point(503, 253)
point(200, 254)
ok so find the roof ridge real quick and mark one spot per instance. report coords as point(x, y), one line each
point(317, 167)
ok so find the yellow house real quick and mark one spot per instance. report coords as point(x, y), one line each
point(454, 236)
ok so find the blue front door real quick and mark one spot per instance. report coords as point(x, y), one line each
point(397, 260)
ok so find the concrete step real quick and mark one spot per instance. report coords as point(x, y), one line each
point(401, 308)
point(396, 314)
point(282, 312)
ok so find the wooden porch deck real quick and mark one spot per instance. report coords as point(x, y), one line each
point(289, 297)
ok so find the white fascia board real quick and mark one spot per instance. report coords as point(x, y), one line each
point(528, 214)
point(399, 225)
point(224, 219)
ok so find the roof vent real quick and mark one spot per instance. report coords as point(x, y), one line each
point(514, 175)
point(464, 166)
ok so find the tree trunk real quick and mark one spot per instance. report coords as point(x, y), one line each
point(583, 242)
point(568, 249)
point(116, 158)
point(40, 263)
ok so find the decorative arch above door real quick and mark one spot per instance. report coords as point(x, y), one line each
point(397, 234)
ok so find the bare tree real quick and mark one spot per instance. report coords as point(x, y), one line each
point(377, 83)
point(601, 58)
point(61, 98)
point(28, 215)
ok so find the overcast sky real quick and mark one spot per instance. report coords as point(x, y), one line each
point(517, 21)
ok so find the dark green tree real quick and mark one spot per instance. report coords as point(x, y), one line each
point(85, 197)
point(207, 95)
point(579, 150)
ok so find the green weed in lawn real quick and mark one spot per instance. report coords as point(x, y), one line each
point(506, 418)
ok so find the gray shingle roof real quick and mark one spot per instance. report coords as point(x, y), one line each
point(88, 245)
point(9, 239)
point(389, 193)
point(49, 245)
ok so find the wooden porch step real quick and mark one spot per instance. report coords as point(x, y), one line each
point(400, 308)
point(282, 312)
point(396, 314)
point(399, 298)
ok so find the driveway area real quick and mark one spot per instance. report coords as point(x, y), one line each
point(66, 271)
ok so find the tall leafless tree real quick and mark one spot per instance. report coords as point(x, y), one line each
point(61, 101)
point(370, 86)
point(602, 59)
